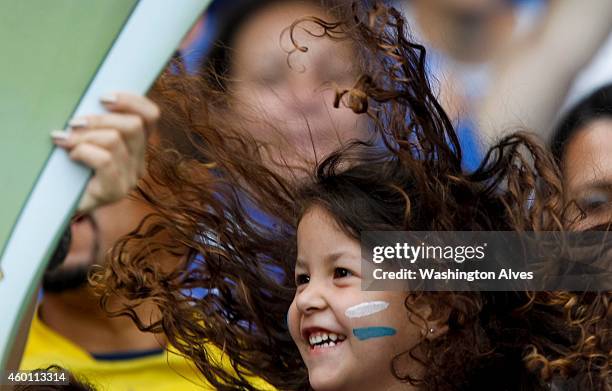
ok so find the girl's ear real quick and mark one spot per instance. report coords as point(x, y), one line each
point(430, 314)
point(435, 330)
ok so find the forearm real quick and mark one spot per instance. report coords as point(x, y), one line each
point(533, 80)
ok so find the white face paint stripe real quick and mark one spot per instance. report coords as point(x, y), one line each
point(365, 309)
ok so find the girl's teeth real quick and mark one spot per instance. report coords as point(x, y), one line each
point(328, 340)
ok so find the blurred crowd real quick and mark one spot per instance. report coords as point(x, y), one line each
point(497, 66)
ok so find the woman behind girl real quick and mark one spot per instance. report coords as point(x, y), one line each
point(407, 177)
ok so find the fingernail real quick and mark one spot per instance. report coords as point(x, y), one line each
point(60, 134)
point(78, 123)
point(108, 98)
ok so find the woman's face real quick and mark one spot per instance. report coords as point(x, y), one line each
point(344, 351)
point(588, 170)
point(291, 107)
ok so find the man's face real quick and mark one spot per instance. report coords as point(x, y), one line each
point(93, 236)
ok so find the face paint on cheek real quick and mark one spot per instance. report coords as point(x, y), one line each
point(365, 309)
point(364, 333)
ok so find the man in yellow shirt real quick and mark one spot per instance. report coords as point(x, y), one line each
point(155, 369)
point(71, 330)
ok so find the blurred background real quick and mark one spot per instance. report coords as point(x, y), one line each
point(496, 66)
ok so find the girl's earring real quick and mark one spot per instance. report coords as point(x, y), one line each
point(431, 330)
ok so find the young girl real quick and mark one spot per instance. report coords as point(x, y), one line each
point(280, 291)
point(352, 339)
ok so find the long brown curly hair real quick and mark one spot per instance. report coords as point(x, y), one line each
point(223, 276)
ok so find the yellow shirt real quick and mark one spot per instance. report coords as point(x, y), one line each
point(156, 372)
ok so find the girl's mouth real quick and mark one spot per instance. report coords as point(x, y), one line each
point(319, 340)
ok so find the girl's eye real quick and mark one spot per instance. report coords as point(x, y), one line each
point(302, 279)
point(341, 272)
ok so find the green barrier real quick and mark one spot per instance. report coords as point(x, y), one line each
point(51, 51)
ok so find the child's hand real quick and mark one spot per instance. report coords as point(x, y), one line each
point(113, 145)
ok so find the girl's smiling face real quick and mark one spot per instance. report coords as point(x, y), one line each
point(333, 345)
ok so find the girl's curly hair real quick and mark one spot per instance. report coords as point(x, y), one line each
point(222, 275)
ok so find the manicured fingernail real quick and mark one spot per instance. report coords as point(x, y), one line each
point(60, 134)
point(78, 123)
point(108, 98)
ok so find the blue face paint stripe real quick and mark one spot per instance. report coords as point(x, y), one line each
point(373, 332)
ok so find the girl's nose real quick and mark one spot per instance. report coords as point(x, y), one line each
point(311, 299)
